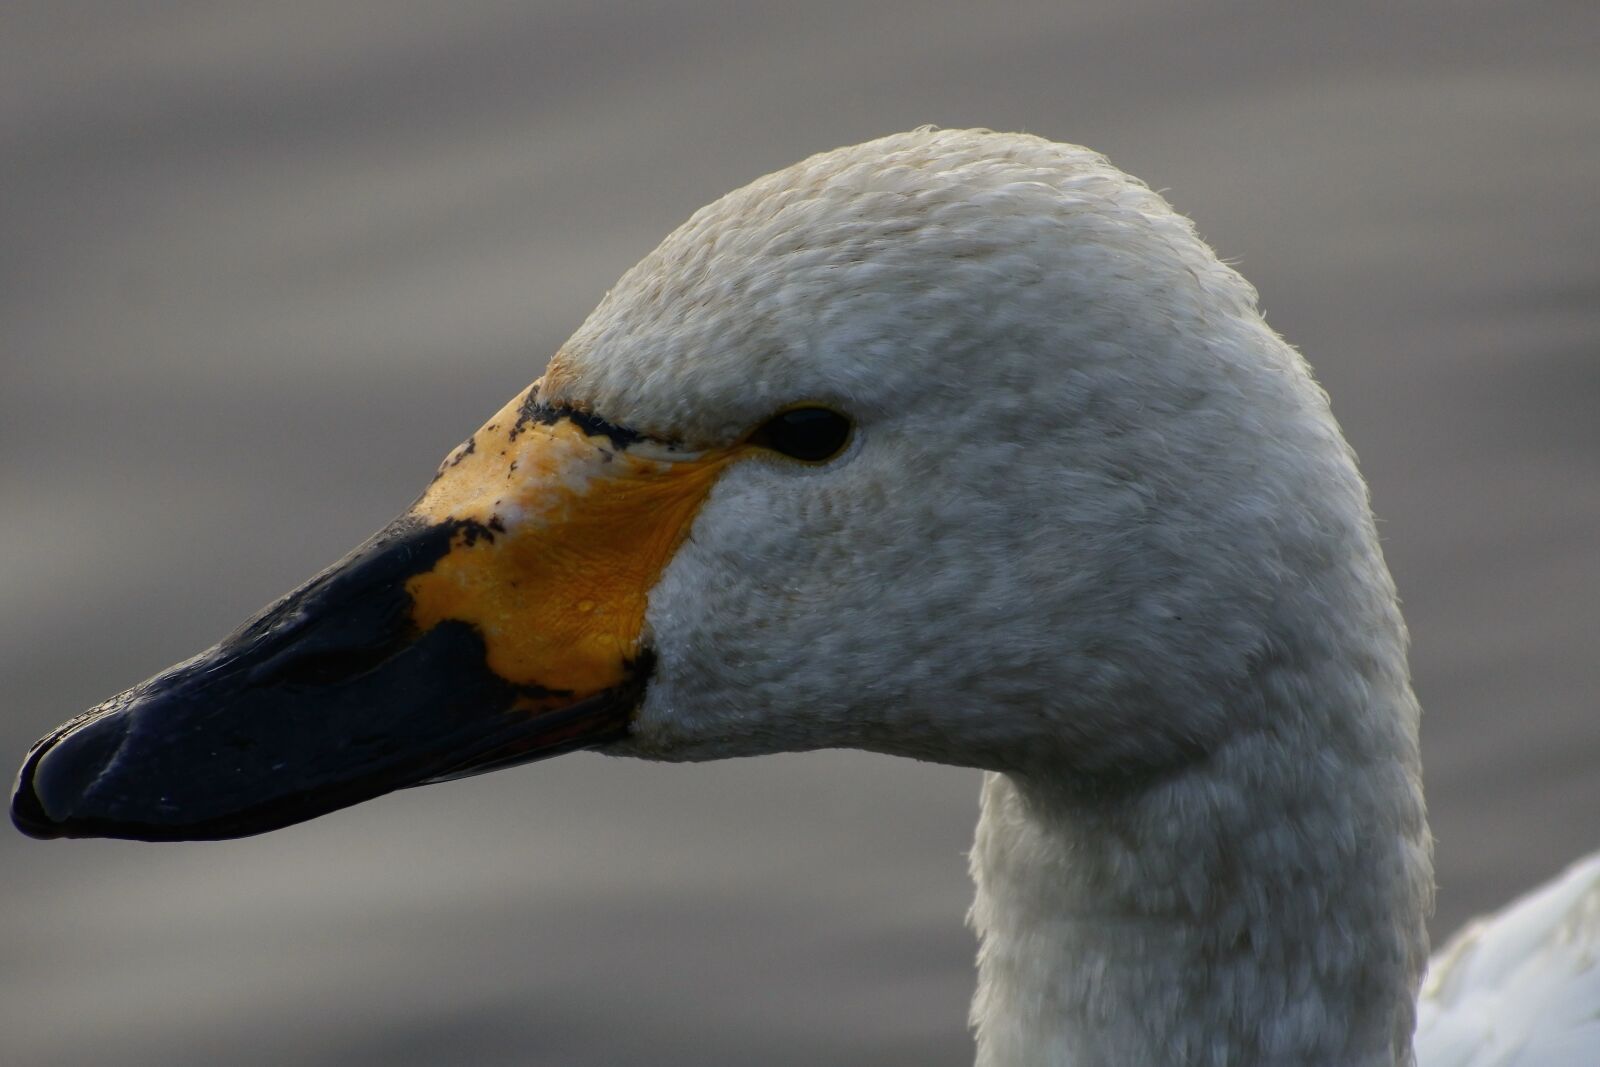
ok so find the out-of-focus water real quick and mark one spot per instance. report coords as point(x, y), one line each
point(262, 265)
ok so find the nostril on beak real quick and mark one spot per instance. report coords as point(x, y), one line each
point(59, 774)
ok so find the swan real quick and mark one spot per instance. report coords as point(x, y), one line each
point(955, 445)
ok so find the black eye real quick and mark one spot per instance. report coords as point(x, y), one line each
point(810, 434)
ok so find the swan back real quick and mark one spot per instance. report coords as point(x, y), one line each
point(1520, 988)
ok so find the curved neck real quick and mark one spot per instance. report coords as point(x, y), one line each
point(1264, 906)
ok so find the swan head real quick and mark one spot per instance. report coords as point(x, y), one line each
point(954, 445)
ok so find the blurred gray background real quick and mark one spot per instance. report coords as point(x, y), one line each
point(262, 265)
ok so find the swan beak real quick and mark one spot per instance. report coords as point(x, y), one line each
point(500, 620)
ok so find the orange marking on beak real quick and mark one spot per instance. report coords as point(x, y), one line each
point(562, 537)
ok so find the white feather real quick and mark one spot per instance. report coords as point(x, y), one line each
point(1520, 988)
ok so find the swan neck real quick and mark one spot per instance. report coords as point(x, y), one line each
point(1264, 906)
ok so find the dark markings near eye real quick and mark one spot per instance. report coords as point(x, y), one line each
point(809, 434)
point(535, 411)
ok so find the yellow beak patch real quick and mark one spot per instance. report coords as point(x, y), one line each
point(563, 529)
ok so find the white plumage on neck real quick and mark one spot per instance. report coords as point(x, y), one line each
point(1262, 902)
point(1251, 910)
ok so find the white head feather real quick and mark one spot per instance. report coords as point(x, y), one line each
point(1096, 529)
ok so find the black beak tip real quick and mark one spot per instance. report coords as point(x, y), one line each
point(55, 781)
point(28, 815)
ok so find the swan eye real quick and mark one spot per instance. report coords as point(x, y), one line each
point(810, 434)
